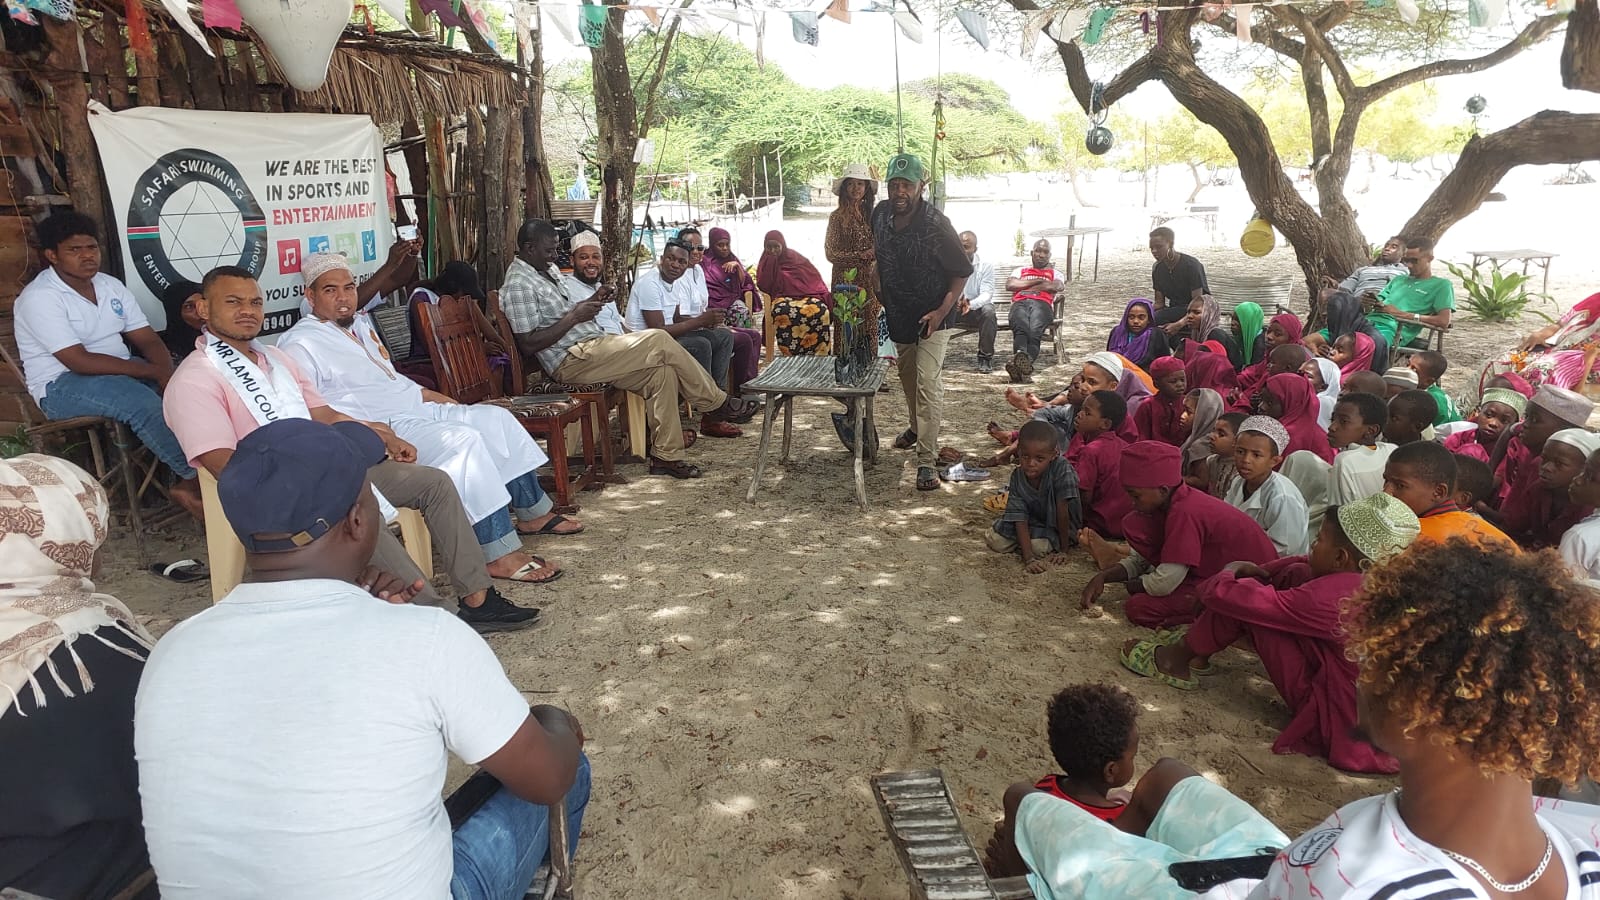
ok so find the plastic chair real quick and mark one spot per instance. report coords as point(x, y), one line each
point(225, 555)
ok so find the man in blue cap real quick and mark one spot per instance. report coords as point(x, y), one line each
point(922, 273)
point(291, 739)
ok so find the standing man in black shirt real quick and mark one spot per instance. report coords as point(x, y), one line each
point(922, 271)
point(1176, 278)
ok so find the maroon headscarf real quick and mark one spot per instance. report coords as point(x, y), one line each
point(1299, 418)
point(788, 274)
point(724, 288)
point(1290, 323)
point(1211, 370)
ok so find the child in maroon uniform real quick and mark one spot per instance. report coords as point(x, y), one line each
point(1095, 451)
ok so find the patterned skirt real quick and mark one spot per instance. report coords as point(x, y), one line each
point(802, 327)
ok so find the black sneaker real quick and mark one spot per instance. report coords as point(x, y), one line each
point(496, 613)
point(985, 365)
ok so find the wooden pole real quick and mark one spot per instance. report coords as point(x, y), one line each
point(72, 105)
point(144, 53)
point(493, 198)
point(538, 181)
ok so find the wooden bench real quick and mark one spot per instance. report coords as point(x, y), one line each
point(1055, 334)
point(933, 848)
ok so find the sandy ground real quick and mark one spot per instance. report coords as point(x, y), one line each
point(741, 670)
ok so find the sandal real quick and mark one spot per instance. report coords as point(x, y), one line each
point(905, 441)
point(184, 571)
point(689, 437)
point(950, 455)
point(1170, 636)
point(927, 479)
point(718, 428)
point(674, 467)
point(552, 526)
point(996, 502)
point(1141, 660)
point(534, 564)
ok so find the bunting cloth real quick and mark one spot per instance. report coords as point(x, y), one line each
point(651, 13)
point(1409, 13)
point(1067, 25)
point(591, 23)
point(1097, 25)
point(19, 12)
point(480, 23)
point(60, 10)
point(1485, 13)
point(1211, 12)
point(179, 11)
point(559, 16)
point(1242, 14)
point(839, 9)
point(976, 25)
point(1032, 27)
point(909, 24)
point(139, 40)
point(225, 14)
point(804, 25)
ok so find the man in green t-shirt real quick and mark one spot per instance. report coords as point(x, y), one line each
point(1417, 297)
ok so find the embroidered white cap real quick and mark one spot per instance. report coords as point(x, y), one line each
point(319, 264)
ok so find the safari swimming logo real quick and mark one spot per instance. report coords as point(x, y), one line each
point(192, 211)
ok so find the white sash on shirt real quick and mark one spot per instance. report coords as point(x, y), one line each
point(270, 395)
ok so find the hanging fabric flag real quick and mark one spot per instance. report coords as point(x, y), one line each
point(1068, 25)
point(804, 25)
point(838, 9)
point(1097, 25)
point(1485, 13)
point(441, 8)
point(1242, 14)
point(559, 17)
point(19, 12)
point(1565, 6)
point(1144, 22)
point(909, 24)
point(225, 14)
point(480, 23)
point(1409, 13)
point(736, 16)
point(395, 8)
point(651, 13)
point(1032, 27)
point(179, 11)
point(591, 23)
point(139, 40)
point(60, 10)
point(976, 25)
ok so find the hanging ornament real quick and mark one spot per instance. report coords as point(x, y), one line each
point(1476, 104)
point(1100, 140)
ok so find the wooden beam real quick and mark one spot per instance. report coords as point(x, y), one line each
point(495, 252)
point(115, 57)
point(72, 105)
point(205, 75)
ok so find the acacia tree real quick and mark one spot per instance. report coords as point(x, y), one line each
point(1316, 41)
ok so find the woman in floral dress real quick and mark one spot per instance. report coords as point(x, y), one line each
point(848, 244)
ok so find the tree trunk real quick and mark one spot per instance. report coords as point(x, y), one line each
point(1543, 138)
point(1077, 191)
point(617, 116)
point(538, 181)
point(1580, 55)
point(1199, 183)
point(72, 105)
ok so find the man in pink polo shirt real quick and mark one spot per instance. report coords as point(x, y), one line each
point(234, 384)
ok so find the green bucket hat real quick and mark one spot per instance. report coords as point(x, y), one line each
point(907, 166)
point(1379, 526)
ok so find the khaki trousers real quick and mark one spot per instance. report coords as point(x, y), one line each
point(431, 491)
point(920, 365)
point(650, 363)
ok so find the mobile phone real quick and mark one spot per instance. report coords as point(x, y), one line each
point(407, 232)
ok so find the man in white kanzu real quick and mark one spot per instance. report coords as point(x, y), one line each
point(292, 739)
point(487, 453)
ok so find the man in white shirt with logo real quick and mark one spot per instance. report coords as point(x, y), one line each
point(487, 453)
point(292, 739)
point(72, 322)
point(661, 299)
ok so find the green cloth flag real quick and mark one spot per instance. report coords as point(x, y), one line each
point(1097, 25)
point(592, 23)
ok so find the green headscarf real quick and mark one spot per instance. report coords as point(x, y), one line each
point(1249, 317)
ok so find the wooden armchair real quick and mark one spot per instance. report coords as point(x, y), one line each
point(462, 366)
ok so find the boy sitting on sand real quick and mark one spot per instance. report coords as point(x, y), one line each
point(1423, 477)
point(1221, 472)
point(1411, 413)
point(1096, 454)
point(1430, 366)
point(1264, 494)
point(1358, 422)
point(1042, 512)
point(1290, 610)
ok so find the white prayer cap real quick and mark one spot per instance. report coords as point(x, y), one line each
point(319, 264)
point(1586, 441)
point(1109, 362)
point(585, 239)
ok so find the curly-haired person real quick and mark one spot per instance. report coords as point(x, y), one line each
point(1479, 671)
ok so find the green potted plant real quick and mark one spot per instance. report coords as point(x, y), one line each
point(854, 349)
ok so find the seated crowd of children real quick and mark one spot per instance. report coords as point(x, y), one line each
point(1249, 507)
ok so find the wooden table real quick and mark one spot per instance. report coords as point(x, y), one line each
point(812, 376)
point(1540, 258)
point(1072, 233)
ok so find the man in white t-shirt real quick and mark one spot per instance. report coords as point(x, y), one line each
point(584, 280)
point(658, 300)
point(291, 739)
point(73, 325)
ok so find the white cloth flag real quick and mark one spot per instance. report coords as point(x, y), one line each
point(976, 25)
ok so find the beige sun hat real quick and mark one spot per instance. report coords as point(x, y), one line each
point(853, 170)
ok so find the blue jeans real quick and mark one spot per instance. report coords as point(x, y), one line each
point(497, 535)
point(500, 849)
point(128, 400)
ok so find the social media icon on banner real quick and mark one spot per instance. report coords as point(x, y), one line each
point(346, 244)
point(369, 245)
point(318, 244)
point(288, 257)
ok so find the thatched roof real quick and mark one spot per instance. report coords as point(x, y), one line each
point(385, 74)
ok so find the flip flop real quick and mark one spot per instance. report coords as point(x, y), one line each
point(551, 526)
point(1141, 660)
point(530, 567)
point(1170, 636)
point(950, 455)
point(677, 469)
point(927, 479)
point(996, 502)
point(184, 571)
point(963, 472)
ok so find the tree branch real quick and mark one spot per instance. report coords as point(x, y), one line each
point(1535, 31)
point(1265, 35)
point(1137, 73)
point(1544, 138)
point(1315, 34)
point(652, 92)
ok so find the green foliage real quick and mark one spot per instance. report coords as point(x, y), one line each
point(15, 444)
point(1497, 296)
point(849, 302)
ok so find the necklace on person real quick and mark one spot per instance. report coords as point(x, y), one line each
point(1519, 887)
point(387, 371)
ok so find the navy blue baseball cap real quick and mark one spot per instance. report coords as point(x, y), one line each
point(290, 481)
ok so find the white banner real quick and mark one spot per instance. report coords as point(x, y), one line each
point(193, 189)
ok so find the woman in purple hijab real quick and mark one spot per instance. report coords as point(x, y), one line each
point(728, 284)
point(1135, 337)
